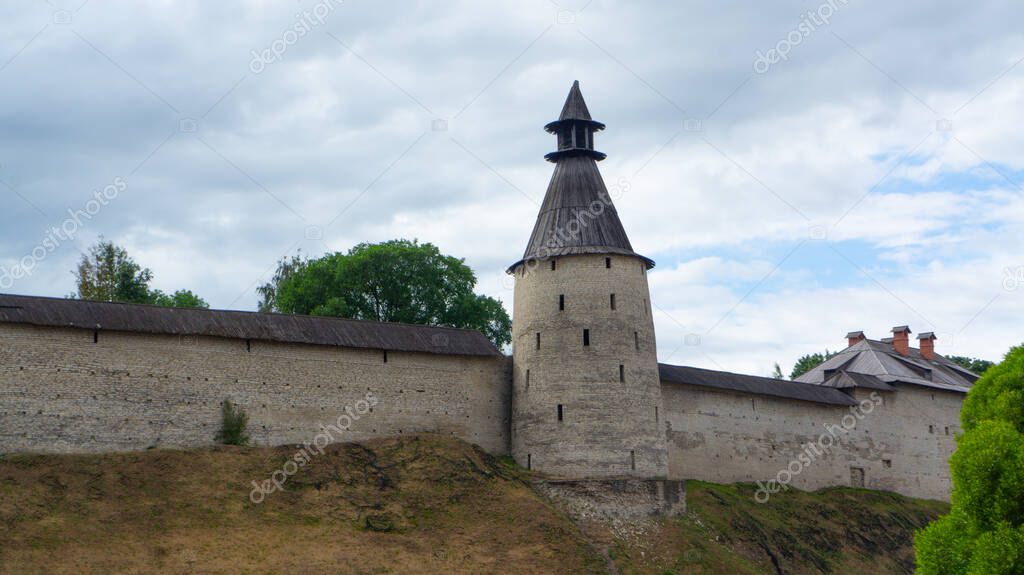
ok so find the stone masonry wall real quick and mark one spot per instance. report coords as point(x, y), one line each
point(60, 392)
point(902, 445)
point(609, 391)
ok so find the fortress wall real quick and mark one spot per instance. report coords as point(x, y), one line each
point(60, 392)
point(727, 437)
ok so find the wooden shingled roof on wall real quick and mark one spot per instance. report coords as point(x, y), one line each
point(57, 312)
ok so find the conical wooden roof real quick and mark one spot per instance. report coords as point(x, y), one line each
point(577, 215)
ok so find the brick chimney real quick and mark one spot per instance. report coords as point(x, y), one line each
point(927, 342)
point(854, 337)
point(901, 340)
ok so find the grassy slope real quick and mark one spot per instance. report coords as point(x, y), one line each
point(854, 531)
point(417, 504)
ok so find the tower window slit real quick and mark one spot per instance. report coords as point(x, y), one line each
point(636, 340)
point(561, 302)
point(385, 356)
point(560, 412)
point(528, 461)
point(552, 264)
point(527, 379)
point(608, 263)
point(612, 301)
point(538, 340)
point(586, 337)
point(632, 459)
point(95, 336)
point(622, 372)
point(656, 414)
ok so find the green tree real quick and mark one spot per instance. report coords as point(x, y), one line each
point(180, 298)
point(978, 366)
point(107, 273)
point(809, 362)
point(393, 281)
point(984, 531)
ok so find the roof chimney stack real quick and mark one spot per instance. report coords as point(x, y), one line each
point(927, 343)
point(901, 340)
point(854, 337)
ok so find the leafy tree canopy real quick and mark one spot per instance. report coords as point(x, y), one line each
point(984, 531)
point(393, 281)
point(809, 362)
point(978, 366)
point(107, 273)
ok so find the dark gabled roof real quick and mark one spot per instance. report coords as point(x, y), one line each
point(56, 312)
point(753, 384)
point(880, 361)
point(847, 380)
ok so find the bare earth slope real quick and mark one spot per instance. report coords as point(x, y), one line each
point(417, 504)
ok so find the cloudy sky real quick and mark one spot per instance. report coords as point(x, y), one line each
point(797, 170)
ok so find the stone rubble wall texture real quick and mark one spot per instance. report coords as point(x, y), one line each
point(60, 392)
point(611, 425)
point(728, 437)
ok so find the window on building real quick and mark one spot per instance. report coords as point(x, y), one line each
point(611, 300)
point(856, 477)
point(527, 379)
point(947, 430)
point(95, 336)
point(622, 372)
point(656, 414)
point(538, 340)
point(529, 462)
point(560, 412)
point(385, 356)
point(632, 459)
point(608, 263)
point(636, 340)
point(887, 463)
point(586, 337)
point(552, 264)
point(931, 429)
point(561, 302)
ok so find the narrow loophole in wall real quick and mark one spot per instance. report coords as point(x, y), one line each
point(636, 340)
point(947, 430)
point(95, 336)
point(248, 345)
point(586, 337)
point(527, 379)
point(561, 412)
point(385, 356)
point(622, 372)
point(931, 429)
point(561, 302)
point(608, 263)
point(552, 264)
point(887, 463)
point(538, 340)
point(632, 459)
point(529, 462)
point(645, 307)
point(612, 301)
point(656, 414)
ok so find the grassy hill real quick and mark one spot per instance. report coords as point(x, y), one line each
point(420, 504)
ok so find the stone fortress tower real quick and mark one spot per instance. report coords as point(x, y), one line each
point(586, 391)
